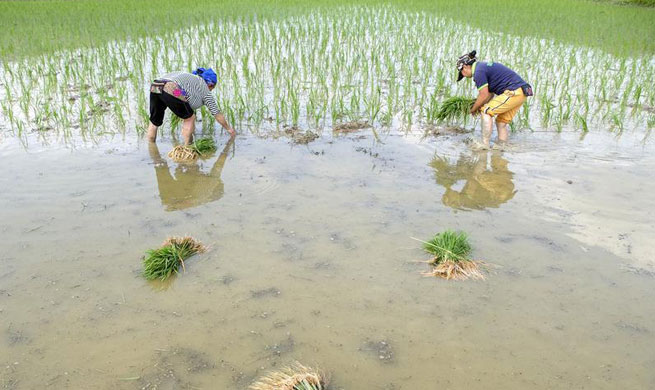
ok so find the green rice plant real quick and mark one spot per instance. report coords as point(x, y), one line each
point(582, 121)
point(651, 122)
point(456, 107)
point(165, 261)
point(204, 146)
point(617, 123)
point(451, 260)
point(295, 377)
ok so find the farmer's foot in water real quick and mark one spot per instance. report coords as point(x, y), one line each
point(477, 145)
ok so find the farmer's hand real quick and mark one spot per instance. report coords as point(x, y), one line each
point(232, 132)
point(475, 112)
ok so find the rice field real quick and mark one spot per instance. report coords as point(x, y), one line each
point(351, 237)
point(319, 70)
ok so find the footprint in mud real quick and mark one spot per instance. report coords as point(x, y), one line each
point(227, 280)
point(630, 327)
point(285, 346)
point(291, 252)
point(267, 292)
point(16, 337)
point(382, 350)
point(273, 352)
point(346, 243)
point(368, 151)
point(641, 271)
point(171, 366)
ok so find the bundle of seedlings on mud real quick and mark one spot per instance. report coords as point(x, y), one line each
point(451, 260)
point(163, 262)
point(295, 377)
point(456, 107)
point(200, 147)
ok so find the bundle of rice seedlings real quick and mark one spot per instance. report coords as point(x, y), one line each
point(161, 263)
point(191, 152)
point(451, 250)
point(204, 146)
point(296, 377)
point(454, 107)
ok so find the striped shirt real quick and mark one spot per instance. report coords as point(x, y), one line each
point(196, 89)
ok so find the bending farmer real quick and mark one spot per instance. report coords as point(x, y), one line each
point(501, 92)
point(183, 93)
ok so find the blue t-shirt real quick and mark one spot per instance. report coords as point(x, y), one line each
point(497, 77)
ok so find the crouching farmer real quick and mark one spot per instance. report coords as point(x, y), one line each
point(183, 93)
point(501, 93)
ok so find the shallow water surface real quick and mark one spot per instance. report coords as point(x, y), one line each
point(312, 259)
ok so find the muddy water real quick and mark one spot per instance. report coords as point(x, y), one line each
point(311, 259)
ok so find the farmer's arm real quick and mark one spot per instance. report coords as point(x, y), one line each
point(210, 102)
point(221, 119)
point(483, 97)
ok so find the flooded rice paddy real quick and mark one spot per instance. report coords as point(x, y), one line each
point(312, 259)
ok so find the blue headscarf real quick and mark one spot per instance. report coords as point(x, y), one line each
point(207, 74)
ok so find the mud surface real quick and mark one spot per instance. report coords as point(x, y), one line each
point(311, 259)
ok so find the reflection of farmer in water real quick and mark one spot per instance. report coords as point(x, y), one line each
point(483, 187)
point(190, 187)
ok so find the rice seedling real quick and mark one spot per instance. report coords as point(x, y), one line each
point(451, 260)
point(165, 261)
point(204, 146)
point(295, 377)
point(456, 107)
point(651, 122)
point(582, 121)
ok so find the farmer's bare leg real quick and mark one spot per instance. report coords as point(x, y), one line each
point(188, 126)
point(503, 134)
point(152, 133)
point(487, 128)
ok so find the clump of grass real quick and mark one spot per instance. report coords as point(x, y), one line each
point(191, 152)
point(161, 263)
point(454, 107)
point(451, 260)
point(296, 377)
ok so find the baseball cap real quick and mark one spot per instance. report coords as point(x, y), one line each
point(466, 59)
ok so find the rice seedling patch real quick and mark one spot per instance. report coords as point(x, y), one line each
point(165, 261)
point(451, 251)
point(267, 292)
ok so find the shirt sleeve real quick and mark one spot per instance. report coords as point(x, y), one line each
point(209, 101)
point(480, 77)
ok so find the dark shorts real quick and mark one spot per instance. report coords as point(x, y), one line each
point(160, 101)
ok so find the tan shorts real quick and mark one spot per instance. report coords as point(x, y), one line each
point(504, 106)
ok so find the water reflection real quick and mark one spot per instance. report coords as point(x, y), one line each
point(477, 181)
point(189, 186)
